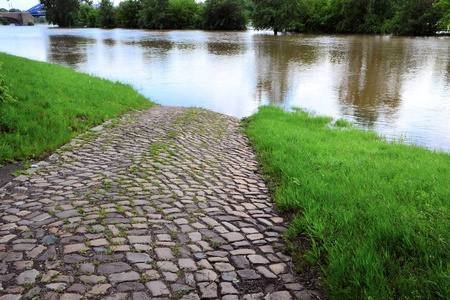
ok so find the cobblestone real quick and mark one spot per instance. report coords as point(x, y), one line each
point(164, 203)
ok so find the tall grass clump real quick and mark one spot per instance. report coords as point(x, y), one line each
point(47, 105)
point(372, 216)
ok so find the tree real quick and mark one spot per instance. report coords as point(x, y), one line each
point(4, 21)
point(376, 14)
point(40, 20)
point(106, 16)
point(357, 16)
point(224, 15)
point(249, 5)
point(154, 14)
point(277, 15)
point(184, 14)
point(444, 6)
point(316, 15)
point(128, 14)
point(87, 16)
point(61, 12)
point(414, 17)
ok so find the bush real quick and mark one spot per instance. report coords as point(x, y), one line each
point(4, 21)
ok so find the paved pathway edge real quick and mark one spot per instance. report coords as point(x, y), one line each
point(159, 204)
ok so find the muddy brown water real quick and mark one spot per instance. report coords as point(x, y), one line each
point(398, 86)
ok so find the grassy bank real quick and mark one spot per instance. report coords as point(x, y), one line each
point(372, 216)
point(53, 104)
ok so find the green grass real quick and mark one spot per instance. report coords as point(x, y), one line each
point(371, 216)
point(54, 104)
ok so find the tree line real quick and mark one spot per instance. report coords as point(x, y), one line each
point(398, 17)
point(150, 14)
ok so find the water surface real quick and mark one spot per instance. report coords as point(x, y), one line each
point(398, 86)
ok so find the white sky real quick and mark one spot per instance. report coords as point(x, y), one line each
point(20, 4)
point(27, 4)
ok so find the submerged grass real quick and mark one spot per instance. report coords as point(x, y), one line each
point(53, 104)
point(373, 216)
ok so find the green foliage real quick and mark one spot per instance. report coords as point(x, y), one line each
point(4, 21)
point(106, 15)
point(159, 14)
point(54, 104)
point(444, 6)
point(63, 13)
point(87, 16)
point(357, 16)
point(40, 20)
point(154, 14)
point(371, 217)
point(400, 17)
point(127, 14)
point(316, 15)
point(249, 5)
point(413, 17)
point(184, 14)
point(277, 15)
point(224, 15)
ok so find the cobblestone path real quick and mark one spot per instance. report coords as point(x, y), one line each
point(158, 204)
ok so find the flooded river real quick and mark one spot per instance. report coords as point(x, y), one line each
point(398, 86)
